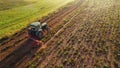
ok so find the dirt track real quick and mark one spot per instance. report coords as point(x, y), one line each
point(90, 38)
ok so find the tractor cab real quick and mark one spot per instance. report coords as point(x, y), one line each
point(35, 26)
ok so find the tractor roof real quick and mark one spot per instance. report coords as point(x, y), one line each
point(35, 24)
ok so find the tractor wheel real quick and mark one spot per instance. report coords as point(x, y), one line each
point(40, 34)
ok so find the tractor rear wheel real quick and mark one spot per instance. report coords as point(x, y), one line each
point(40, 34)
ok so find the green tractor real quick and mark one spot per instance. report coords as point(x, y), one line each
point(36, 30)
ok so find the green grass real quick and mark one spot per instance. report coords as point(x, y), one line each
point(17, 18)
point(8, 4)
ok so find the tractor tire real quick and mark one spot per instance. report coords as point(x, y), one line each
point(40, 34)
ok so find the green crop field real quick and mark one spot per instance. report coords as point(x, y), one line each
point(17, 14)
